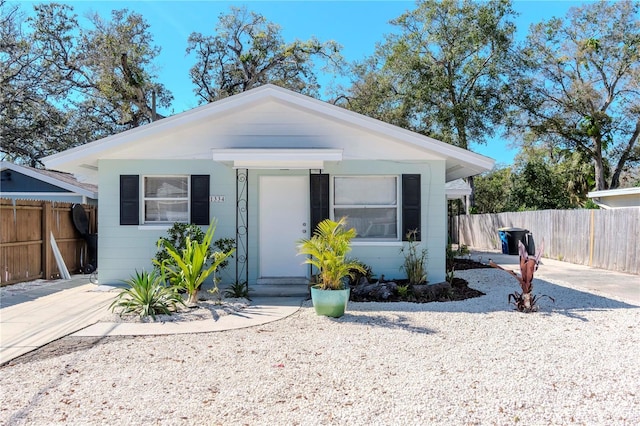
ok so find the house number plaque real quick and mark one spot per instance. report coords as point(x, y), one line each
point(217, 198)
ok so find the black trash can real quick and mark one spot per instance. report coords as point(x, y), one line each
point(510, 238)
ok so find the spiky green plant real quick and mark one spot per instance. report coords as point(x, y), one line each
point(238, 290)
point(147, 295)
point(191, 266)
point(414, 261)
point(327, 251)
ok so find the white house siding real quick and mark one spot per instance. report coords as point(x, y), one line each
point(125, 249)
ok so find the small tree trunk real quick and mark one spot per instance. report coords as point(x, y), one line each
point(193, 299)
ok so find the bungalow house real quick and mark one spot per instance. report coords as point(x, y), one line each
point(269, 164)
point(29, 183)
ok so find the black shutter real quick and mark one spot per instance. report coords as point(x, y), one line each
point(319, 199)
point(129, 200)
point(410, 205)
point(200, 199)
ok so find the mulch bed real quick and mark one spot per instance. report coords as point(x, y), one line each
point(458, 290)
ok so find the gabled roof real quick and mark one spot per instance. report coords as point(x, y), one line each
point(62, 180)
point(83, 160)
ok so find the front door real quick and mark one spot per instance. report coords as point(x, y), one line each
point(284, 217)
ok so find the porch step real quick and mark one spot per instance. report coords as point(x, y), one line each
point(279, 290)
point(273, 289)
point(282, 281)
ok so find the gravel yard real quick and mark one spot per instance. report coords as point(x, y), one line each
point(470, 362)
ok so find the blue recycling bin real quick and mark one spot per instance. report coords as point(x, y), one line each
point(509, 238)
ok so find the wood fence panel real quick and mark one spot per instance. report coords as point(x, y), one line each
point(25, 242)
point(606, 239)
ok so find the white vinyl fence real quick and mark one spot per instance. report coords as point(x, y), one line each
point(607, 239)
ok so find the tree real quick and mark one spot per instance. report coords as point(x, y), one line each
point(28, 119)
point(248, 51)
point(441, 74)
point(63, 86)
point(577, 86)
point(493, 191)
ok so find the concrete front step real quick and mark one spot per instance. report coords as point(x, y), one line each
point(276, 290)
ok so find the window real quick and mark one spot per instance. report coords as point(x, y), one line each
point(166, 199)
point(370, 204)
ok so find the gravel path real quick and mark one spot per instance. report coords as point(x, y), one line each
point(471, 362)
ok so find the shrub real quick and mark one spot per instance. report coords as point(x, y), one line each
point(189, 267)
point(238, 290)
point(414, 261)
point(147, 295)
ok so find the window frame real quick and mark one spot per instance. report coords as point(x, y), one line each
point(144, 198)
point(397, 206)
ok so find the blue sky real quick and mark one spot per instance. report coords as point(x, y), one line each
point(356, 25)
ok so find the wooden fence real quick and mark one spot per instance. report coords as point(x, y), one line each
point(26, 251)
point(607, 239)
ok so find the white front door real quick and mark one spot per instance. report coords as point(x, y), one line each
point(284, 217)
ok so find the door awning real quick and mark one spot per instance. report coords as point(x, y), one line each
point(276, 158)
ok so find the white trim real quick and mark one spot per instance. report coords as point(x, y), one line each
point(143, 199)
point(40, 194)
point(154, 227)
point(614, 192)
point(460, 162)
point(373, 243)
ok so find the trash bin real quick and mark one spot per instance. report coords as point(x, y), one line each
point(503, 240)
point(510, 237)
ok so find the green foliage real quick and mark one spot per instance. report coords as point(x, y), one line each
point(537, 187)
point(492, 191)
point(327, 251)
point(414, 261)
point(225, 245)
point(575, 85)
point(355, 274)
point(248, 51)
point(191, 266)
point(147, 295)
point(238, 290)
point(403, 291)
point(66, 82)
point(177, 236)
point(439, 73)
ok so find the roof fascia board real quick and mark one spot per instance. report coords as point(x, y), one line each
point(48, 179)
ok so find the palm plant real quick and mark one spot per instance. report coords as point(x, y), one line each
point(146, 296)
point(192, 265)
point(327, 251)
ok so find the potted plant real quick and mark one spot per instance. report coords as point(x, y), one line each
point(327, 251)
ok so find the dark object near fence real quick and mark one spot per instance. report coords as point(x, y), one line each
point(81, 223)
point(511, 237)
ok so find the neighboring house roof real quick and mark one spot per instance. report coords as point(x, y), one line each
point(616, 198)
point(457, 189)
point(62, 180)
point(150, 141)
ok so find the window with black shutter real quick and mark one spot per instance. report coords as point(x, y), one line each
point(129, 200)
point(411, 203)
point(200, 199)
point(319, 199)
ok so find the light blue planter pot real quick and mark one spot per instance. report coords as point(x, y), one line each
point(330, 303)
